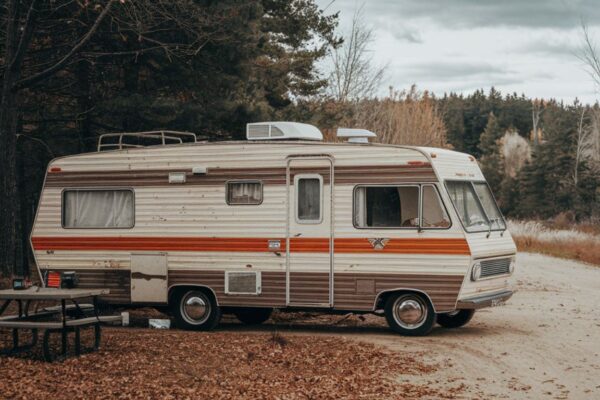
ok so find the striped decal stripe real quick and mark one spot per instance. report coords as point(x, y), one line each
point(300, 245)
point(218, 176)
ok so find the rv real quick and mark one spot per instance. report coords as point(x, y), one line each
point(282, 221)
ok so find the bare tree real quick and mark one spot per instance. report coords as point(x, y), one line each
point(582, 144)
point(354, 76)
point(516, 152)
point(403, 117)
point(588, 54)
point(537, 106)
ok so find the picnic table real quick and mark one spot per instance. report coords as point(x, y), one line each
point(61, 319)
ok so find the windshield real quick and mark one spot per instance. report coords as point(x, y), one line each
point(475, 206)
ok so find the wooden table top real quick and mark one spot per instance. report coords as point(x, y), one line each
point(39, 293)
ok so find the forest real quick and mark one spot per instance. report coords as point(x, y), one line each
point(73, 70)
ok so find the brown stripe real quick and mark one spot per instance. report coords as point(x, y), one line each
point(314, 288)
point(350, 290)
point(218, 176)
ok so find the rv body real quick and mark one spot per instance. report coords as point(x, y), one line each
point(246, 226)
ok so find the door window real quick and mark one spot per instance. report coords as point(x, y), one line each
point(309, 199)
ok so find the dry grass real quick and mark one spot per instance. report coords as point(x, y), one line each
point(577, 244)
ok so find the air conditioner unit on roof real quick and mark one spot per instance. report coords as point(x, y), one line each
point(282, 130)
point(355, 135)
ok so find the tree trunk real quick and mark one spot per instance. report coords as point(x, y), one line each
point(10, 248)
point(10, 230)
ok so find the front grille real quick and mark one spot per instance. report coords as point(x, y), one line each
point(498, 266)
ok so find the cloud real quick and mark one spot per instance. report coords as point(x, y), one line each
point(451, 71)
point(408, 35)
point(559, 14)
point(549, 47)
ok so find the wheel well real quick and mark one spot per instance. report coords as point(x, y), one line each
point(175, 290)
point(384, 296)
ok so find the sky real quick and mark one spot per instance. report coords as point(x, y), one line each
point(522, 46)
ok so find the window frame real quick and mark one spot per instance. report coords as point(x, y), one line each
point(419, 207)
point(233, 181)
point(478, 202)
point(297, 178)
point(75, 189)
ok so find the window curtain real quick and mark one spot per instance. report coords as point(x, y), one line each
point(98, 209)
point(245, 193)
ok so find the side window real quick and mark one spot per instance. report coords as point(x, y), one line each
point(309, 199)
point(85, 208)
point(244, 193)
point(433, 214)
point(386, 207)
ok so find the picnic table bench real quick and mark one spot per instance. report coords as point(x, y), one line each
point(61, 319)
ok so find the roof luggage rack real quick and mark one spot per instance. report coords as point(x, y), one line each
point(123, 140)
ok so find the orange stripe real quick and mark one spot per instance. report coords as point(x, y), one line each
point(300, 245)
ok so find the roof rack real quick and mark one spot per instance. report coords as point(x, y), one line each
point(120, 141)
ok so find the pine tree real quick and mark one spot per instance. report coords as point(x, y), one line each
point(491, 159)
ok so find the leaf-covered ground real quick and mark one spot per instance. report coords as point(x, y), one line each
point(149, 364)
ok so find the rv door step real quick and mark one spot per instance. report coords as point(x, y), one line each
point(488, 300)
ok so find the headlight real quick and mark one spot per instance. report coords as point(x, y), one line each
point(511, 267)
point(476, 272)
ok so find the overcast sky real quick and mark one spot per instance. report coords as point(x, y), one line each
point(523, 46)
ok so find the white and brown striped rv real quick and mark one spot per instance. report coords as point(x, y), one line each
point(282, 220)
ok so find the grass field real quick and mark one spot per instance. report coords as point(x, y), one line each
point(577, 244)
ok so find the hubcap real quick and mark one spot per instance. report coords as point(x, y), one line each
point(195, 308)
point(410, 312)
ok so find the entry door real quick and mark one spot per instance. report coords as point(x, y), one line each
point(149, 278)
point(309, 242)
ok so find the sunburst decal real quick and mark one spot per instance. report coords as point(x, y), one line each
point(378, 243)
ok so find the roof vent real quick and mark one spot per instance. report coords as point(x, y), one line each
point(282, 130)
point(355, 135)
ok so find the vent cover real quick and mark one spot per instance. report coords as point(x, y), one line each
point(499, 266)
point(282, 130)
point(242, 282)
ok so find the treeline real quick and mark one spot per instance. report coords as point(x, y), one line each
point(541, 157)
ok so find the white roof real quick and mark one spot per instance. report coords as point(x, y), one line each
point(282, 130)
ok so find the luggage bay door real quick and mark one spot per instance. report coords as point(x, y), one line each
point(309, 241)
point(149, 283)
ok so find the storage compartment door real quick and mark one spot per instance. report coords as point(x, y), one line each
point(149, 278)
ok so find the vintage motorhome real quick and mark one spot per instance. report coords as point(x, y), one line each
point(282, 220)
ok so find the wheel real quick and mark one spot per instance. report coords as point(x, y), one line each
point(194, 309)
point(253, 316)
point(409, 314)
point(455, 319)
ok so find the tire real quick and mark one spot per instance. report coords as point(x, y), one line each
point(455, 319)
point(409, 314)
point(195, 309)
point(253, 316)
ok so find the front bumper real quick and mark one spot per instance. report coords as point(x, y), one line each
point(487, 300)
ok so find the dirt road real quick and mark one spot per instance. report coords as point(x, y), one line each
point(544, 343)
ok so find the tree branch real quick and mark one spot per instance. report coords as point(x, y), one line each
point(15, 63)
point(56, 67)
